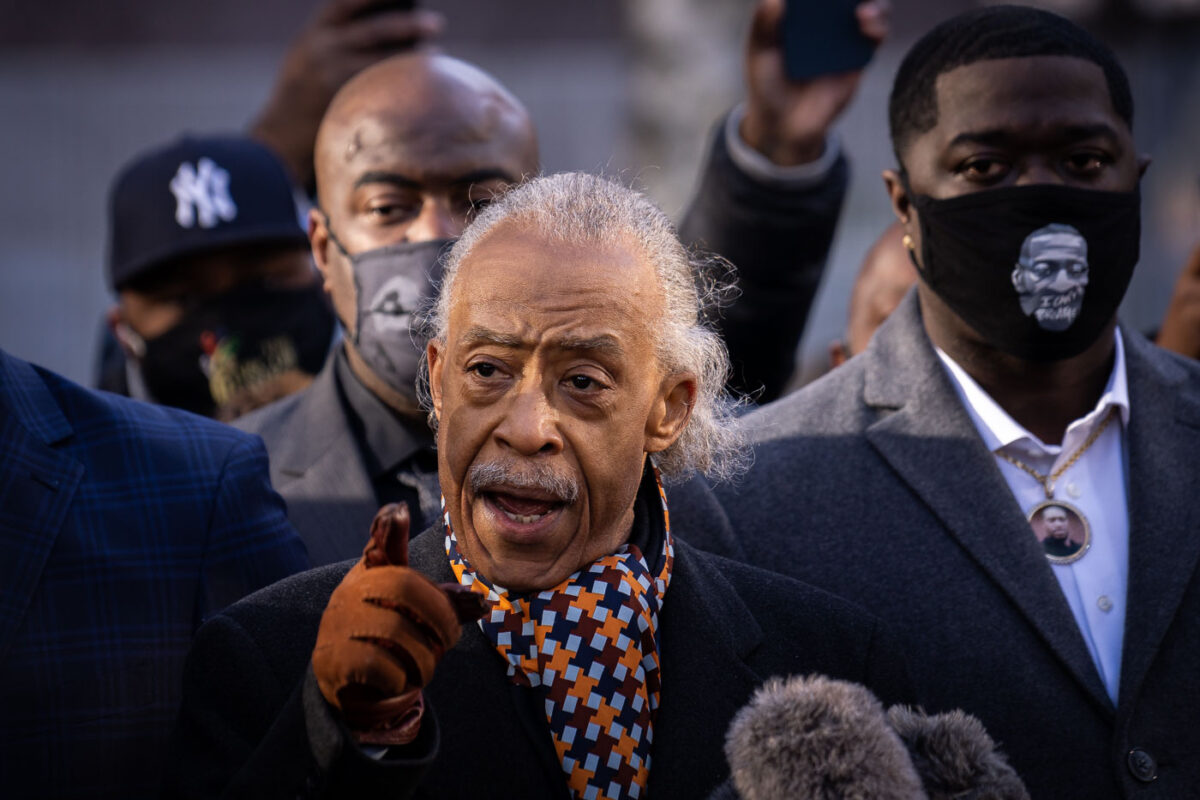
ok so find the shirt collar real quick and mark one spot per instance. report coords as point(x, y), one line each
point(999, 429)
point(385, 438)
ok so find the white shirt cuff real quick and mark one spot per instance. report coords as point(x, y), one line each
point(762, 169)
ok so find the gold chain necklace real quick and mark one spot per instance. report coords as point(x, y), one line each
point(1060, 527)
point(1047, 481)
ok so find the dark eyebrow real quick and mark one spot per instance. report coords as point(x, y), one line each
point(600, 344)
point(379, 176)
point(999, 136)
point(481, 335)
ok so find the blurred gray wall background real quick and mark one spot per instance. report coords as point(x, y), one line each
point(630, 87)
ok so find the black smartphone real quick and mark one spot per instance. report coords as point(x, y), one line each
point(821, 37)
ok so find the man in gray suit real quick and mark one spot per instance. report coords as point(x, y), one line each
point(408, 150)
point(907, 479)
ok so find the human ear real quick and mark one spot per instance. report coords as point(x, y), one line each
point(433, 354)
point(670, 411)
point(318, 241)
point(898, 196)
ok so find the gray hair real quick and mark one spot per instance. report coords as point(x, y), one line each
point(587, 209)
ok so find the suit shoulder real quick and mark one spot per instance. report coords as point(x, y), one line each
point(93, 412)
point(830, 404)
point(271, 420)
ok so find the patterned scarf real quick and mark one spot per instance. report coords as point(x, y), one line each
point(592, 644)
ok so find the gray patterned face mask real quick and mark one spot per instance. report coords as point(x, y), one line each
point(393, 283)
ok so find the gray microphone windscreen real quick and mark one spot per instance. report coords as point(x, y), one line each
point(815, 738)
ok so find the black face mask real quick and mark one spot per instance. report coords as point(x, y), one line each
point(231, 346)
point(1037, 271)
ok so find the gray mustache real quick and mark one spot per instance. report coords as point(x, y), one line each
point(496, 476)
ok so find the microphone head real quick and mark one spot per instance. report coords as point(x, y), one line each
point(955, 757)
point(815, 738)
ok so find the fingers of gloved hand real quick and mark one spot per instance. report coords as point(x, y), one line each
point(386, 628)
point(359, 670)
point(415, 598)
point(389, 537)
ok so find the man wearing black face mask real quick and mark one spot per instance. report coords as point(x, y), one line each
point(408, 150)
point(219, 309)
point(999, 392)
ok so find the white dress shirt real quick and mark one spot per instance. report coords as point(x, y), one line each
point(1094, 586)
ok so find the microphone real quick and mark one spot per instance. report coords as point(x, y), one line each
point(815, 738)
point(955, 757)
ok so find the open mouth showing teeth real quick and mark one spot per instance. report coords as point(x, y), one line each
point(524, 510)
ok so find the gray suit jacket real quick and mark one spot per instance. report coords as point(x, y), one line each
point(873, 483)
point(317, 467)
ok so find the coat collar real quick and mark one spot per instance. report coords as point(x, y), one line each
point(926, 435)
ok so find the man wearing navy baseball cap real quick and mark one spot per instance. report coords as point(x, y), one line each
point(219, 309)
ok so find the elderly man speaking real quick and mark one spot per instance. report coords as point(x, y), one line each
point(569, 366)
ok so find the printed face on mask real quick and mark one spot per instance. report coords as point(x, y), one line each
point(1022, 145)
point(1051, 275)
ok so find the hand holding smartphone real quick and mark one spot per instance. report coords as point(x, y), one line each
point(823, 37)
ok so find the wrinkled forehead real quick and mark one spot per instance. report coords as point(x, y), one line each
point(528, 277)
point(425, 146)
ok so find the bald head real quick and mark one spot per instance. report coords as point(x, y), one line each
point(412, 131)
point(408, 151)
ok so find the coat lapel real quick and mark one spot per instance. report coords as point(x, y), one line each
point(707, 635)
point(321, 473)
point(1161, 446)
point(928, 438)
point(37, 484)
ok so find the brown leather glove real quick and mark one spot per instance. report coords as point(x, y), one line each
point(383, 632)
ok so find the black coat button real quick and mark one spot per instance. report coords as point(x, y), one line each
point(1142, 765)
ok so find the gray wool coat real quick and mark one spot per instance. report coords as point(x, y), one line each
point(873, 483)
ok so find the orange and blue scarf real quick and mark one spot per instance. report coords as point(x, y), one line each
point(591, 644)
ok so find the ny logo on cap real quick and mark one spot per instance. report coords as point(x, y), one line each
point(202, 194)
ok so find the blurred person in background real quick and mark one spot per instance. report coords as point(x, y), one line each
point(219, 309)
point(1180, 331)
point(407, 152)
point(886, 275)
point(770, 195)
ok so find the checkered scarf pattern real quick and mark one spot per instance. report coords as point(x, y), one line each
point(591, 643)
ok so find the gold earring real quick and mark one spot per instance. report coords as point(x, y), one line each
point(907, 241)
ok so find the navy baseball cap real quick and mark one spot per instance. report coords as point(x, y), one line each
point(196, 194)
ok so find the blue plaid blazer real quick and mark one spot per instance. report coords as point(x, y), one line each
point(122, 527)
